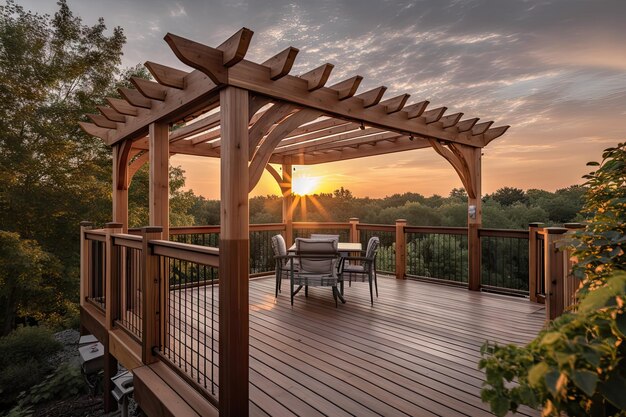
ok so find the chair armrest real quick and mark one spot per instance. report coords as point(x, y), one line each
point(357, 258)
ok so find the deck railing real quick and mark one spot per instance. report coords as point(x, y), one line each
point(163, 294)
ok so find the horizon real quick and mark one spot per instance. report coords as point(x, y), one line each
point(553, 70)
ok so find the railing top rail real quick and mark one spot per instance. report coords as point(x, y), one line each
point(267, 226)
point(127, 240)
point(380, 227)
point(436, 230)
point(321, 225)
point(203, 255)
point(188, 230)
point(95, 234)
point(517, 234)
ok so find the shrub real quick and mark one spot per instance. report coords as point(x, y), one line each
point(577, 366)
point(23, 355)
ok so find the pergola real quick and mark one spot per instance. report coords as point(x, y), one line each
point(252, 115)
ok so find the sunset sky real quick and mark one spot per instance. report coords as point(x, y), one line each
point(553, 70)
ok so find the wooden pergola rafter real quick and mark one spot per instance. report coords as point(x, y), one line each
point(251, 115)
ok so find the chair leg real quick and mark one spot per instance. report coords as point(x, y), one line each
point(306, 290)
point(335, 296)
point(369, 277)
point(277, 284)
point(376, 283)
point(341, 287)
point(291, 289)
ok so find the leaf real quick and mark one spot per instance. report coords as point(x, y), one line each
point(620, 323)
point(550, 338)
point(613, 390)
point(537, 373)
point(585, 380)
point(552, 380)
point(500, 406)
point(593, 164)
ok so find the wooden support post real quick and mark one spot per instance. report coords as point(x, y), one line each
point(159, 176)
point(354, 232)
point(288, 208)
point(234, 255)
point(533, 261)
point(120, 190)
point(474, 220)
point(150, 295)
point(84, 262)
point(111, 283)
point(400, 249)
point(554, 271)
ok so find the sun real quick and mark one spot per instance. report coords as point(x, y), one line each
point(305, 185)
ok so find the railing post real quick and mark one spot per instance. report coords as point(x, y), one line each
point(533, 262)
point(400, 249)
point(111, 278)
point(84, 261)
point(554, 272)
point(354, 232)
point(150, 295)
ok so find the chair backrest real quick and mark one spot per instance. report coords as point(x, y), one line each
point(372, 247)
point(279, 246)
point(323, 236)
point(316, 255)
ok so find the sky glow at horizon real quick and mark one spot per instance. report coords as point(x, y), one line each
point(553, 70)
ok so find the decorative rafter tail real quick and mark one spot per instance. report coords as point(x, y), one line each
point(167, 76)
point(93, 130)
point(481, 128)
point(467, 124)
point(281, 63)
point(318, 77)
point(234, 49)
point(416, 110)
point(111, 114)
point(395, 104)
point(347, 88)
point(122, 106)
point(149, 89)
point(101, 121)
point(201, 57)
point(431, 116)
point(135, 98)
point(493, 133)
point(372, 97)
point(450, 120)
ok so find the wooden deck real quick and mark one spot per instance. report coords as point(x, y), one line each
point(414, 353)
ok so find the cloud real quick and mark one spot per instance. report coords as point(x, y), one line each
point(178, 10)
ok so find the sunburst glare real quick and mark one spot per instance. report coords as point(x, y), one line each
point(305, 185)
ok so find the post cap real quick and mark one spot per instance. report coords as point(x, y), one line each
point(354, 219)
point(86, 223)
point(400, 220)
point(574, 225)
point(113, 225)
point(535, 224)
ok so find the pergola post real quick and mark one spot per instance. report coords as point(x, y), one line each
point(120, 189)
point(474, 219)
point(158, 144)
point(287, 190)
point(234, 254)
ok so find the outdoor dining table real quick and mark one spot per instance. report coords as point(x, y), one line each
point(342, 247)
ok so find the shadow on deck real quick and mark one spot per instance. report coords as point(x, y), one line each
point(415, 352)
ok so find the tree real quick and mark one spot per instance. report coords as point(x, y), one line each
point(507, 196)
point(29, 280)
point(53, 70)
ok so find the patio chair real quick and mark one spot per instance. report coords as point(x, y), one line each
point(283, 262)
point(323, 236)
point(318, 260)
point(364, 265)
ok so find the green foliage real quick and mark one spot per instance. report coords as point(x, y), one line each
point(65, 382)
point(23, 360)
point(508, 196)
point(29, 281)
point(576, 365)
point(53, 70)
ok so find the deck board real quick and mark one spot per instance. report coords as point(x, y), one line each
point(415, 352)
